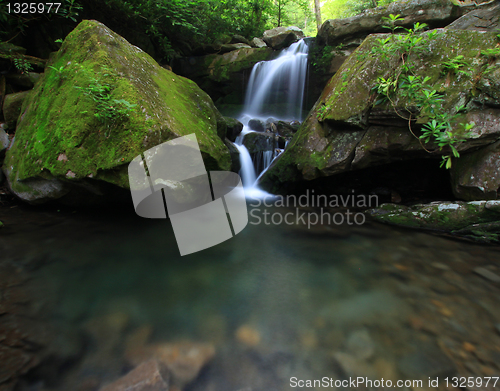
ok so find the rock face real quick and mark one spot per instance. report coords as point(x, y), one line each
point(69, 142)
point(346, 131)
point(223, 76)
point(281, 37)
point(436, 13)
point(476, 175)
point(484, 19)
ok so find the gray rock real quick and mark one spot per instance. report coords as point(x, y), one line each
point(259, 142)
point(489, 275)
point(476, 175)
point(281, 37)
point(360, 344)
point(149, 376)
point(486, 18)
point(257, 125)
point(257, 43)
point(4, 142)
point(436, 13)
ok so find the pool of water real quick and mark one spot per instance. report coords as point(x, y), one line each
point(276, 302)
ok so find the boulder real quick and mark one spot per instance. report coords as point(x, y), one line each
point(234, 128)
point(345, 131)
point(70, 147)
point(436, 13)
point(287, 129)
point(281, 37)
point(479, 220)
point(257, 125)
point(146, 377)
point(12, 107)
point(259, 142)
point(476, 175)
point(257, 43)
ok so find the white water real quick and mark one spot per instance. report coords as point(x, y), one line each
point(275, 89)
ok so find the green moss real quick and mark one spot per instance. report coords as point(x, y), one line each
point(59, 132)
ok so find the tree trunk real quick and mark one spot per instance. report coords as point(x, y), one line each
point(317, 12)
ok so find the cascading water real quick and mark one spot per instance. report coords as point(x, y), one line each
point(275, 89)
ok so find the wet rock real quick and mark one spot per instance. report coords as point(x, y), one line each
point(487, 274)
point(184, 360)
point(287, 129)
point(248, 335)
point(4, 142)
point(234, 128)
point(257, 125)
point(360, 344)
point(235, 156)
point(436, 13)
point(476, 175)
point(147, 376)
point(259, 142)
point(281, 37)
point(12, 107)
point(257, 43)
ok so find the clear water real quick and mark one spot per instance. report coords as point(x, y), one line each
point(310, 295)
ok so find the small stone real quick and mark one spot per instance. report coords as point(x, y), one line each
point(489, 275)
point(248, 335)
point(146, 377)
point(360, 344)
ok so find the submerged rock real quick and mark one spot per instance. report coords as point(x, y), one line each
point(146, 377)
point(282, 37)
point(64, 116)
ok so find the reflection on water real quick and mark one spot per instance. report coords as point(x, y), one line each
point(275, 301)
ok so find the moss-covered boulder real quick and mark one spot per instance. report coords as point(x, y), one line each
point(347, 130)
point(478, 220)
point(101, 103)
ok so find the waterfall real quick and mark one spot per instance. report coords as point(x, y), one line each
point(275, 89)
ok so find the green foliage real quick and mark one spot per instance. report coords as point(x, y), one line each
point(421, 101)
point(455, 65)
point(336, 9)
point(22, 65)
point(321, 57)
point(491, 53)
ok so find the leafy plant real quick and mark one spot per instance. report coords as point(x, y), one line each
point(421, 101)
point(22, 65)
point(390, 22)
